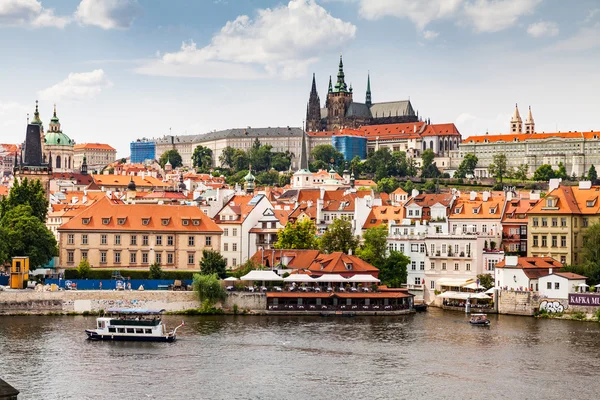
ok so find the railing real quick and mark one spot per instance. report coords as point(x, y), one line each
point(412, 286)
point(344, 307)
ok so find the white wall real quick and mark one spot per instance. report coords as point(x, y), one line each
point(565, 286)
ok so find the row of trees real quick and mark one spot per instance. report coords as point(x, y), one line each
point(22, 224)
point(339, 237)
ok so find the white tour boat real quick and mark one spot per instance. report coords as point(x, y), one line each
point(133, 324)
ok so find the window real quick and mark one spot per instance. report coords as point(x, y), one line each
point(443, 266)
point(444, 248)
point(118, 240)
point(464, 229)
point(563, 259)
point(414, 248)
point(190, 258)
point(121, 330)
point(185, 222)
point(112, 330)
point(133, 240)
point(417, 280)
point(584, 222)
point(544, 241)
point(70, 238)
point(165, 221)
point(468, 267)
point(554, 240)
point(535, 222)
point(484, 228)
point(402, 248)
point(544, 221)
point(432, 247)
point(234, 246)
point(556, 285)
point(535, 241)
point(455, 249)
point(117, 257)
point(132, 258)
point(456, 266)
point(169, 240)
point(575, 222)
point(145, 240)
point(121, 221)
point(158, 258)
point(225, 231)
point(130, 330)
point(85, 221)
point(549, 285)
point(144, 258)
point(169, 258)
point(190, 240)
point(491, 265)
point(208, 241)
point(70, 257)
point(234, 232)
point(102, 257)
point(555, 222)
point(105, 221)
point(145, 221)
point(422, 265)
point(148, 331)
point(432, 284)
point(432, 265)
point(413, 265)
point(84, 239)
point(103, 239)
point(422, 248)
point(195, 222)
point(563, 221)
point(234, 261)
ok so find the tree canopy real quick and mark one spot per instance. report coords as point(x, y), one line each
point(298, 235)
point(339, 237)
point(498, 167)
point(325, 153)
point(544, 173)
point(202, 158)
point(393, 270)
point(29, 193)
point(521, 172)
point(592, 175)
point(172, 156)
point(467, 166)
point(374, 247)
point(212, 262)
point(387, 185)
point(208, 288)
point(428, 168)
point(261, 157)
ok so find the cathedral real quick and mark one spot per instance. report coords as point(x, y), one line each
point(341, 111)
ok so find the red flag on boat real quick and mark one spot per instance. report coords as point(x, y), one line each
point(182, 322)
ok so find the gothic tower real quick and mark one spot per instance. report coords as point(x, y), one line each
point(339, 101)
point(368, 96)
point(516, 123)
point(313, 109)
point(529, 124)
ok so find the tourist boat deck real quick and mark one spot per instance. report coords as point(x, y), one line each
point(132, 324)
point(479, 319)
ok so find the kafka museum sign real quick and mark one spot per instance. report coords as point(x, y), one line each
point(580, 299)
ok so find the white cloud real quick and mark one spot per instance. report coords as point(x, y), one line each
point(483, 15)
point(430, 35)
point(108, 14)
point(284, 41)
point(496, 15)
point(29, 13)
point(592, 15)
point(585, 39)
point(543, 28)
point(77, 86)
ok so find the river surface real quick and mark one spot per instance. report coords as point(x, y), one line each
point(432, 355)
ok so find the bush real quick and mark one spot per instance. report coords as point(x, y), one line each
point(130, 273)
point(235, 309)
point(209, 289)
point(578, 316)
point(155, 271)
point(83, 269)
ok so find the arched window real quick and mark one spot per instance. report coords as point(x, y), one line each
point(57, 161)
point(450, 144)
point(431, 144)
point(424, 145)
point(446, 145)
point(441, 148)
point(456, 144)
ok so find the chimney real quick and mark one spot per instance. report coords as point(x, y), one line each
point(322, 193)
point(511, 261)
point(549, 271)
point(472, 196)
point(509, 196)
point(486, 195)
point(319, 210)
point(585, 185)
point(554, 184)
point(414, 193)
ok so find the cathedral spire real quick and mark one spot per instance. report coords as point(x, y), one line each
point(368, 97)
point(330, 90)
point(529, 123)
point(303, 153)
point(516, 123)
point(340, 85)
point(313, 89)
point(313, 109)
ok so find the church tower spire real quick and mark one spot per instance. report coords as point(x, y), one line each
point(340, 85)
point(529, 124)
point(368, 97)
point(516, 123)
point(313, 109)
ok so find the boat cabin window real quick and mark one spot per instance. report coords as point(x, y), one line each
point(148, 331)
point(130, 330)
point(139, 331)
point(112, 330)
point(121, 330)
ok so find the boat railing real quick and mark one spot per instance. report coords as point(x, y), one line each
point(134, 322)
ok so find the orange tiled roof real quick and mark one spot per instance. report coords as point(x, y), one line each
point(465, 208)
point(340, 263)
point(570, 275)
point(570, 200)
point(532, 263)
point(383, 214)
point(399, 191)
point(4, 190)
point(81, 179)
point(94, 146)
point(132, 217)
point(123, 181)
point(520, 137)
point(364, 183)
point(441, 129)
point(389, 131)
point(428, 200)
point(296, 259)
point(239, 204)
point(91, 196)
point(516, 210)
point(10, 148)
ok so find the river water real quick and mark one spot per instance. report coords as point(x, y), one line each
point(432, 355)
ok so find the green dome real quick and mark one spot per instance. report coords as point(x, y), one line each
point(249, 177)
point(57, 139)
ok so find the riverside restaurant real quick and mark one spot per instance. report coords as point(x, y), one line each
point(370, 302)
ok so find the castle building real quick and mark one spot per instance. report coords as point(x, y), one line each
point(341, 111)
point(58, 147)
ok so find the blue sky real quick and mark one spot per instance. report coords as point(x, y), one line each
point(123, 69)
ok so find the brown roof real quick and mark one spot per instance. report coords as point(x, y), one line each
point(299, 258)
point(123, 181)
point(570, 275)
point(428, 200)
point(81, 179)
point(441, 130)
point(341, 263)
point(239, 204)
point(380, 215)
point(133, 217)
point(532, 262)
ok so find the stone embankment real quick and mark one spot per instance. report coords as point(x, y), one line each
point(64, 302)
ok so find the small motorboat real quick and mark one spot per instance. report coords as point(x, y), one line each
point(132, 324)
point(479, 319)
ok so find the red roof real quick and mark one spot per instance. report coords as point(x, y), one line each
point(520, 137)
point(341, 263)
point(94, 146)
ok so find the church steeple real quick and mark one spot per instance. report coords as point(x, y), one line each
point(36, 116)
point(340, 85)
point(304, 153)
point(516, 123)
point(330, 90)
point(54, 125)
point(313, 109)
point(368, 97)
point(529, 124)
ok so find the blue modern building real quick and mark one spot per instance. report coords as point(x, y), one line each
point(350, 146)
point(141, 150)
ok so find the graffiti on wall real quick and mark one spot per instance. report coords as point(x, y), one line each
point(552, 306)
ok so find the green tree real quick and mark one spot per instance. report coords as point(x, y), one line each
point(212, 262)
point(411, 167)
point(393, 270)
point(467, 166)
point(374, 247)
point(4, 251)
point(318, 165)
point(260, 156)
point(281, 161)
point(430, 186)
point(339, 237)
point(245, 268)
point(357, 166)
point(172, 156)
point(387, 185)
point(298, 235)
point(544, 173)
point(326, 153)
point(561, 172)
point(428, 168)
point(521, 172)
point(592, 175)
point(202, 158)
point(208, 288)
point(498, 167)
point(408, 187)
point(227, 157)
point(269, 178)
point(155, 271)
point(486, 280)
point(26, 235)
point(29, 193)
point(240, 160)
point(83, 269)
point(285, 179)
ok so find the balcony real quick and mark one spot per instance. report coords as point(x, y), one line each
point(413, 286)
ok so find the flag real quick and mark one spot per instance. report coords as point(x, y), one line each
point(182, 322)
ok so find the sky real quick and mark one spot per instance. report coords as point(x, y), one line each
point(119, 70)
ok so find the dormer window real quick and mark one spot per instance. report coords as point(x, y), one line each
point(550, 202)
point(105, 221)
point(85, 221)
point(145, 221)
point(348, 266)
point(476, 211)
point(591, 202)
point(165, 221)
point(457, 210)
point(492, 211)
point(185, 222)
point(121, 221)
point(196, 222)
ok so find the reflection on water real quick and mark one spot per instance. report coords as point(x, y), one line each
point(431, 355)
